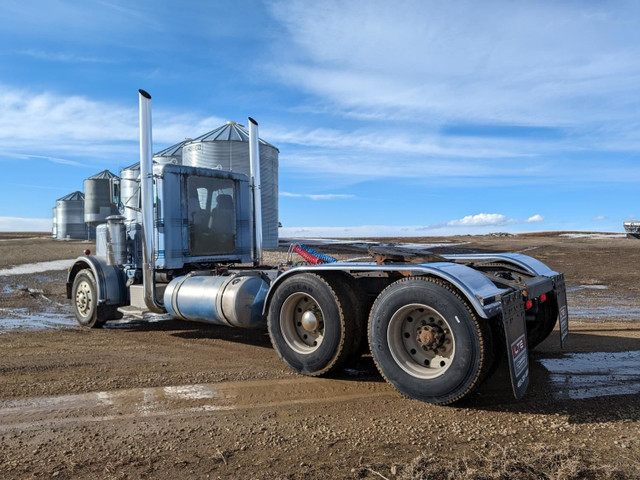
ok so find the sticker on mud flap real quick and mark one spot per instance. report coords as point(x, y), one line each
point(519, 355)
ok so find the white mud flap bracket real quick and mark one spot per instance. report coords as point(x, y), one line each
point(563, 315)
point(515, 331)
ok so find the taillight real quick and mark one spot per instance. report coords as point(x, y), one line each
point(529, 304)
point(543, 298)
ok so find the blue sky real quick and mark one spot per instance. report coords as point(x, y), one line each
point(392, 118)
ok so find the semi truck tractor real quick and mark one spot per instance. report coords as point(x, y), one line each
point(435, 324)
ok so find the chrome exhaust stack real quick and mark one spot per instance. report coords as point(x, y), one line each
point(146, 194)
point(256, 193)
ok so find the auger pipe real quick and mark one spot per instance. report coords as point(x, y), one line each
point(146, 193)
point(256, 193)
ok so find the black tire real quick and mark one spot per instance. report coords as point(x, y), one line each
point(545, 321)
point(327, 310)
point(427, 342)
point(354, 309)
point(84, 298)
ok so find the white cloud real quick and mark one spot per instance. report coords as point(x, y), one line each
point(537, 218)
point(599, 218)
point(50, 126)
point(362, 231)
point(482, 220)
point(397, 142)
point(465, 60)
point(62, 57)
point(479, 224)
point(326, 196)
point(18, 224)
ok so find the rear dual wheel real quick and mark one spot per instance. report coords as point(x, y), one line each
point(313, 323)
point(427, 342)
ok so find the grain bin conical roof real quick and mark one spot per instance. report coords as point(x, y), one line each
point(133, 166)
point(172, 151)
point(230, 132)
point(103, 174)
point(77, 195)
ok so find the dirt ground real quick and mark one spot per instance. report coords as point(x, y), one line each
point(169, 399)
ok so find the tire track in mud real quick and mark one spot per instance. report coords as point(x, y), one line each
point(47, 412)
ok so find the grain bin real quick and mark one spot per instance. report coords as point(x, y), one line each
point(70, 217)
point(227, 148)
point(102, 196)
point(172, 154)
point(130, 192)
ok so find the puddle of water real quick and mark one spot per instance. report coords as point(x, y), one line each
point(21, 319)
point(8, 289)
point(593, 235)
point(28, 268)
point(577, 288)
point(606, 312)
point(594, 374)
point(190, 392)
point(12, 319)
point(43, 412)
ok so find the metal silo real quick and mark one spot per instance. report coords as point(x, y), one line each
point(172, 154)
point(102, 196)
point(227, 148)
point(54, 228)
point(130, 192)
point(70, 216)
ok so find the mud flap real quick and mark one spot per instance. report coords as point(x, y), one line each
point(563, 315)
point(515, 331)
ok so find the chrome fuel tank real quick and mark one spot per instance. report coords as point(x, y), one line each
point(233, 300)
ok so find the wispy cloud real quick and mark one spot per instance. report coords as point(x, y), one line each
point(599, 218)
point(388, 141)
point(22, 156)
point(325, 196)
point(51, 126)
point(62, 57)
point(478, 224)
point(433, 59)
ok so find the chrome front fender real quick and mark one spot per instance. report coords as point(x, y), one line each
point(109, 279)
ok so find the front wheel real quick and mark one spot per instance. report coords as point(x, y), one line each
point(84, 296)
point(427, 342)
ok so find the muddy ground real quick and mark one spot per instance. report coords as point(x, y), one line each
point(167, 399)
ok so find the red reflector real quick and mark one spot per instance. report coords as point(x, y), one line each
point(543, 298)
point(87, 252)
point(529, 304)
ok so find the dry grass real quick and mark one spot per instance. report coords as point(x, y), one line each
point(540, 462)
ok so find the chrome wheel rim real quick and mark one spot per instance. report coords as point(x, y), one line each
point(421, 341)
point(84, 298)
point(302, 323)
